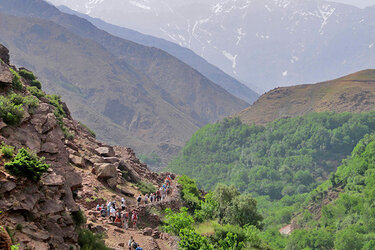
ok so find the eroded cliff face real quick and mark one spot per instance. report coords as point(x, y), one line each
point(39, 214)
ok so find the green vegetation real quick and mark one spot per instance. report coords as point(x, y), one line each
point(12, 107)
point(7, 151)
point(146, 187)
point(151, 160)
point(27, 164)
point(28, 75)
point(36, 83)
point(79, 218)
point(92, 133)
point(287, 157)
point(189, 192)
point(16, 83)
point(89, 240)
point(36, 92)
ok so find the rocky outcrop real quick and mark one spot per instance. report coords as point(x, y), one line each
point(4, 54)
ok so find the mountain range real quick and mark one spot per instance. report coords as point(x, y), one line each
point(128, 93)
point(266, 43)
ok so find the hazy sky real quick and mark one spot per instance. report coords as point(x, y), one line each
point(359, 3)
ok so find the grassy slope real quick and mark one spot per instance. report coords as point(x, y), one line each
point(352, 93)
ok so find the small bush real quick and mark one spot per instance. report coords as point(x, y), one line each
point(78, 218)
point(27, 74)
point(55, 101)
point(36, 83)
point(31, 101)
point(16, 83)
point(10, 112)
point(174, 222)
point(146, 187)
point(27, 164)
point(7, 151)
point(19, 227)
point(88, 129)
point(88, 240)
point(36, 92)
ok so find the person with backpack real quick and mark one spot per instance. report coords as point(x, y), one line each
point(134, 245)
point(112, 214)
point(125, 220)
point(158, 195)
point(146, 199)
point(130, 242)
point(103, 212)
point(123, 204)
point(139, 199)
point(134, 219)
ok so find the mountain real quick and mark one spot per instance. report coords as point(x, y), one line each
point(351, 93)
point(128, 93)
point(268, 43)
point(185, 55)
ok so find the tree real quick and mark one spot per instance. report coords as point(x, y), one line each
point(224, 195)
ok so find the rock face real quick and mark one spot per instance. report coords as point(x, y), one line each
point(6, 77)
point(4, 54)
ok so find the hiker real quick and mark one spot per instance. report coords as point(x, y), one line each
point(158, 197)
point(134, 245)
point(130, 242)
point(109, 207)
point(146, 199)
point(125, 219)
point(139, 248)
point(151, 198)
point(139, 199)
point(118, 217)
point(114, 204)
point(123, 204)
point(103, 212)
point(112, 214)
point(98, 207)
point(134, 218)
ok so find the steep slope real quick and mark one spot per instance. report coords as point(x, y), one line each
point(268, 43)
point(186, 55)
point(352, 93)
point(130, 94)
point(42, 206)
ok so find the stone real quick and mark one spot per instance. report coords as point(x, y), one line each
point(77, 161)
point(147, 231)
point(52, 207)
point(110, 159)
point(35, 233)
point(4, 54)
point(73, 179)
point(52, 180)
point(50, 124)
point(50, 147)
point(6, 186)
point(2, 124)
point(155, 234)
point(6, 77)
point(105, 171)
point(121, 244)
point(105, 151)
point(112, 182)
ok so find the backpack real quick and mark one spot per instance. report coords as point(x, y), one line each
point(139, 199)
point(134, 245)
point(138, 248)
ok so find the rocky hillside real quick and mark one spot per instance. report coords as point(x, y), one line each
point(40, 203)
point(352, 93)
point(128, 93)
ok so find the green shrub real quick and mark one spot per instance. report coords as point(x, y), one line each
point(19, 227)
point(16, 83)
point(89, 241)
point(7, 151)
point(36, 92)
point(10, 112)
point(146, 187)
point(88, 129)
point(31, 101)
point(36, 83)
point(27, 164)
point(55, 101)
point(78, 218)
point(174, 222)
point(189, 193)
point(189, 239)
point(27, 74)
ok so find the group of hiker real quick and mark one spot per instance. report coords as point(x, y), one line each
point(159, 195)
point(117, 215)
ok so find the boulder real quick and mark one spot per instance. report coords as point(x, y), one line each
point(73, 179)
point(112, 183)
point(4, 54)
point(105, 151)
point(155, 234)
point(50, 147)
point(6, 186)
point(110, 159)
point(52, 207)
point(52, 180)
point(50, 124)
point(6, 77)
point(147, 231)
point(2, 124)
point(77, 161)
point(105, 171)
